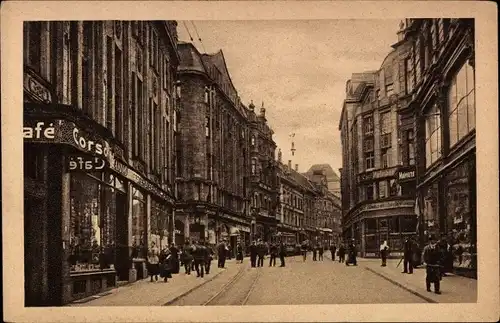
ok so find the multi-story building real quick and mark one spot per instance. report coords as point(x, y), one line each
point(376, 205)
point(441, 74)
point(294, 216)
point(213, 152)
point(332, 178)
point(99, 120)
point(263, 188)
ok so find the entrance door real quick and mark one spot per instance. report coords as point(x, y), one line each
point(122, 261)
point(179, 233)
point(35, 252)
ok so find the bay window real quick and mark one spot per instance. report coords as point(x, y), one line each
point(462, 104)
point(432, 135)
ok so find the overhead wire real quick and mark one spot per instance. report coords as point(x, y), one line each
point(199, 38)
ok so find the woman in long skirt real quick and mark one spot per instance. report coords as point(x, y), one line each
point(153, 261)
point(239, 253)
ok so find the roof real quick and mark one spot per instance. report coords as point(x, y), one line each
point(326, 169)
point(190, 58)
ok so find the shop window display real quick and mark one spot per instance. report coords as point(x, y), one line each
point(92, 222)
point(138, 224)
point(430, 210)
point(159, 224)
point(458, 217)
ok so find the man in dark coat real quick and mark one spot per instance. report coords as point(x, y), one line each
point(175, 258)
point(209, 255)
point(321, 249)
point(273, 253)
point(315, 252)
point(352, 254)
point(304, 250)
point(408, 249)
point(253, 254)
point(187, 257)
point(333, 248)
point(261, 252)
point(282, 253)
point(221, 254)
point(199, 255)
point(446, 256)
point(341, 253)
point(432, 259)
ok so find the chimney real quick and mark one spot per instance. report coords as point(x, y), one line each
point(289, 165)
point(279, 155)
point(401, 31)
point(297, 168)
point(251, 106)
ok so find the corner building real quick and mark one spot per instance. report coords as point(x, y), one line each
point(442, 73)
point(377, 204)
point(99, 122)
point(213, 152)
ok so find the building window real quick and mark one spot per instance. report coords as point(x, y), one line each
point(138, 223)
point(462, 105)
point(109, 82)
point(207, 127)
point(386, 158)
point(119, 119)
point(369, 161)
point(411, 147)
point(408, 76)
point(368, 125)
point(253, 141)
point(369, 192)
point(33, 44)
point(432, 136)
point(254, 166)
point(417, 59)
point(368, 144)
point(383, 189)
point(389, 89)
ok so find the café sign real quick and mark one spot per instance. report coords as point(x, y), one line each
point(85, 163)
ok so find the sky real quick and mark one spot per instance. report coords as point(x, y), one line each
point(298, 69)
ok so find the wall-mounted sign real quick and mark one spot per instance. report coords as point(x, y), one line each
point(36, 89)
point(406, 174)
point(366, 176)
point(85, 163)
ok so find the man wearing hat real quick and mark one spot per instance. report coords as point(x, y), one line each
point(432, 259)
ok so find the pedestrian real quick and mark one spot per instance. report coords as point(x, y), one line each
point(153, 261)
point(175, 258)
point(304, 250)
point(321, 249)
point(253, 254)
point(282, 253)
point(408, 249)
point(187, 257)
point(261, 252)
point(432, 258)
point(273, 253)
point(239, 253)
point(333, 248)
point(446, 256)
point(165, 264)
point(315, 251)
point(221, 254)
point(209, 255)
point(199, 259)
point(352, 253)
point(341, 253)
point(384, 250)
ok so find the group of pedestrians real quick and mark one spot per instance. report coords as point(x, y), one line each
point(318, 251)
point(192, 256)
point(259, 249)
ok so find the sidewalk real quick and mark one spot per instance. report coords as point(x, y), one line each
point(454, 288)
point(146, 293)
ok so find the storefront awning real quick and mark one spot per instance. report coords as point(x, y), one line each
point(326, 230)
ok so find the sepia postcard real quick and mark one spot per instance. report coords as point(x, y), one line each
point(250, 161)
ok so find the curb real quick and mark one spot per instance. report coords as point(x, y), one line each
point(427, 299)
point(192, 289)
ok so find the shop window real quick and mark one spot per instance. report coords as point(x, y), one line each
point(160, 221)
point(370, 225)
point(430, 209)
point(33, 161)
point(92, 222)
point(408, 223)
point(459, 219)
point(138, 223)
point(461, 98)
point(432, 136)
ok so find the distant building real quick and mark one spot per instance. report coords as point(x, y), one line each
point(333, 180)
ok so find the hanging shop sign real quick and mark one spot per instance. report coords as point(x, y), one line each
point(85, 163)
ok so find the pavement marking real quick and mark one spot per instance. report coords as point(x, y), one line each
point(427, 299)
point(193, 289)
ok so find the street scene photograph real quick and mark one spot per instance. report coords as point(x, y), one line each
point(249, 162)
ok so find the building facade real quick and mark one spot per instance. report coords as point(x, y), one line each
point(99, 123)
point(377, 205)
point(263, 184)
point(442, 74)
point(333, 180)
point(213, 152)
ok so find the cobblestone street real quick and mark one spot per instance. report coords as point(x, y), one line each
point(309, 282)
